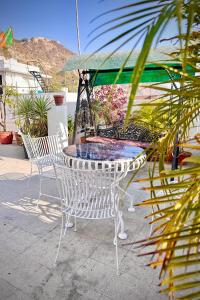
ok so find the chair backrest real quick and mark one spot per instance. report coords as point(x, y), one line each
point(41, 146)
point(91, 192)
point(47, 145)
point(63, 135)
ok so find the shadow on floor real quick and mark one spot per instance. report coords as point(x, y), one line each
point(22, 194)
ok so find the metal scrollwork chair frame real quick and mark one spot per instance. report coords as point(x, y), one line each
point(90, 194)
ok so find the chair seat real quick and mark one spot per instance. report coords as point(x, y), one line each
point(85, 213)
point(49, 160)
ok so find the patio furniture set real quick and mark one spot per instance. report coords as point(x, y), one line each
point(88, 176)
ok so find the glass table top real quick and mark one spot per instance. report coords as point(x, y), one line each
point(100, 151)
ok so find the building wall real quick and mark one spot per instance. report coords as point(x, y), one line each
point(17, 75)
point(69, 104)
point(23, 83)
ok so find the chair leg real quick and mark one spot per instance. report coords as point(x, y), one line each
point(122, 234)
point(116, 245)
point(67, 225)
point(61, 235)
point(131, 207)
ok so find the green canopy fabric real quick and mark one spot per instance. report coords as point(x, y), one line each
point(104, 69)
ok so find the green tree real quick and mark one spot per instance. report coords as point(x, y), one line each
point(176, 209)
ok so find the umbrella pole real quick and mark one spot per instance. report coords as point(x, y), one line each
point(77, 109)
point(88, 92)
point(176, 149)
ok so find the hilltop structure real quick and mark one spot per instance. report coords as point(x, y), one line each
point(50, 56)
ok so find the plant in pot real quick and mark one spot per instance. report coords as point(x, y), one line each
point(39, 126)
point(32, 113)
point(6, 101)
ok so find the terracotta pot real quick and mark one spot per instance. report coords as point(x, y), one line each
point(184, 155)
point(181, 156)
point(6, 137)
point(169, 156)
point(59, 99)
point(18, 139)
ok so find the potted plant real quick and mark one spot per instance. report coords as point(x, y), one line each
point(6, 137)
point(32, 113)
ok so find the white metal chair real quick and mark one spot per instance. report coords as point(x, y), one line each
point(43, 152)
point(89, 194)
point(120, 165)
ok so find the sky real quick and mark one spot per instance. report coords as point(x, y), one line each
point(56, 19)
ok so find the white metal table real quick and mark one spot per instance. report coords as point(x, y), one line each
point(95, 156)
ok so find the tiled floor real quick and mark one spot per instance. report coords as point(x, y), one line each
point(86, 265)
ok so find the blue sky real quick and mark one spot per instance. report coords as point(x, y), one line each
point(57, 20)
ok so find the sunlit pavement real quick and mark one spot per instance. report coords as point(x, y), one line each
point(86, 264)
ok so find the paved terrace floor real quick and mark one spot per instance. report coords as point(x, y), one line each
point(86, 265)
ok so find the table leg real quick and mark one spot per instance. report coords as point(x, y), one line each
point(122, 234)
point(131, 207)
point(68, 224)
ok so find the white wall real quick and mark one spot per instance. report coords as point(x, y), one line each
point(68, 108)
point(69, 99)
point(17, 75)
point(23, 83)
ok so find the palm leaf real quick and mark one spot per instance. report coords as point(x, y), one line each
point(176, 211)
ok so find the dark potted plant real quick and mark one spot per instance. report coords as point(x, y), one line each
point(6, 137)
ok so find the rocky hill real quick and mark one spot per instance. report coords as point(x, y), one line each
point(49, 54)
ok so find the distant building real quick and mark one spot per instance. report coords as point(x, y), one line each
point(17, 75)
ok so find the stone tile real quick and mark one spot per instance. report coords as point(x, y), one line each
point(136, 267)
point(6, 289)
point(98, 229)
point(19, 295)
point(91, 276)
point(86, 263)
point(80, 244)
point(105, 253)
point(27, 277)
point(102, 279)
point(18, 241)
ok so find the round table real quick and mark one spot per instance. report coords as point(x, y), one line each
point(95, 156)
